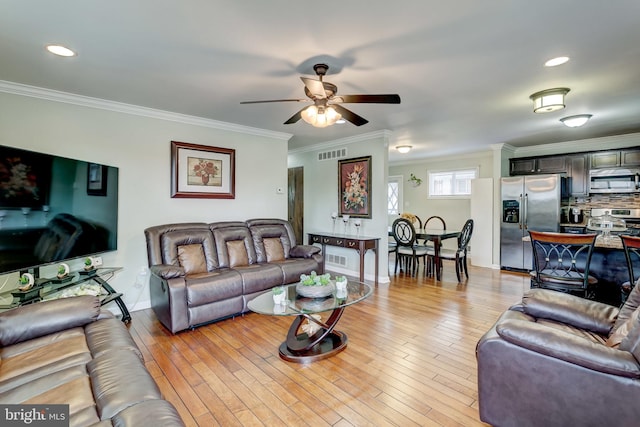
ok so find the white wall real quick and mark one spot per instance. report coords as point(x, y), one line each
point(321, 197)
point(454, 211)
point(140, 147)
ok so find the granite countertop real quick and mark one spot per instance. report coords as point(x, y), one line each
point(613, 242)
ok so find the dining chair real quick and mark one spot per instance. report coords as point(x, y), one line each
point(631, 246)
point(459, 255)
point(436, 222)
point(408, 251)
point(561, 262)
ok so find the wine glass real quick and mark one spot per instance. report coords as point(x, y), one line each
point(334, 216)
point(357, 223)
point(345, 219)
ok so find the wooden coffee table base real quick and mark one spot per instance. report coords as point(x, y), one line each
point(301, 348)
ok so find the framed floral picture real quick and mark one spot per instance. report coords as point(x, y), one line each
point(202, 171)
point(354, 192)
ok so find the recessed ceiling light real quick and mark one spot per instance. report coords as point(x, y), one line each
point(553, 62)
point(59, 50)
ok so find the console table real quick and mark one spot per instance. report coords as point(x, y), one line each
point(53, 288)
point(360, 244)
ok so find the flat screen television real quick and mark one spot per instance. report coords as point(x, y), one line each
point(54, 209)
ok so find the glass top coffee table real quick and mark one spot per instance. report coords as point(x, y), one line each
point(311, 338)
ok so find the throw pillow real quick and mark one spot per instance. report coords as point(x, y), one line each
point(191, 258)
point(274, 249)
point(623, 330)
point(237, 253)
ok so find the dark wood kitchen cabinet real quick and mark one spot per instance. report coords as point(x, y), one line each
point(579, 173)
point(538, 165)
point(615, 158)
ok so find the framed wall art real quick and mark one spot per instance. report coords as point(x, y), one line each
point(96, 179)
point(354, 191)
point(202, 171)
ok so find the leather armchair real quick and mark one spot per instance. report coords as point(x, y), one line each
point(557, 359)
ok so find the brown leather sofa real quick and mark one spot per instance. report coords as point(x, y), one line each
point(68, 351)
point(205, 272)
point(560, 360)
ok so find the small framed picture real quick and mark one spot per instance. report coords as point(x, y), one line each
point(354, 192)
point(202, 171)
point(96, 179)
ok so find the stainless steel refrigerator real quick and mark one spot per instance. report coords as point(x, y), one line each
point(529, 202)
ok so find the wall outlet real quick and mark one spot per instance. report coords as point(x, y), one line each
point(97, 261)
point(279, 190)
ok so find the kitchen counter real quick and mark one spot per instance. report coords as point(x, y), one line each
point(613, 242)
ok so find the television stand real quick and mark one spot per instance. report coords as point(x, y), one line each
point(78, 284)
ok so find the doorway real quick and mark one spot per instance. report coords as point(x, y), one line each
point(295, 187)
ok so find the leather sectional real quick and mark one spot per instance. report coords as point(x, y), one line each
point(560, 360)
point(68, 351)
point(205, 272)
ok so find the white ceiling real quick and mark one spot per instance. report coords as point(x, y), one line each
point(464, 69)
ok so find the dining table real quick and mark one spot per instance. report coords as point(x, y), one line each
point(435, 235)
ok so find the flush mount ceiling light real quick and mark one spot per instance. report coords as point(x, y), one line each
point(549, 100)
point(320, 116)
point(554, 62)
point(576, 121)
point(60, 50)
point(404, 149)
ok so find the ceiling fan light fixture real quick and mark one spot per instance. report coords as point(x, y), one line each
point(320, 117)
point(576, 121)
point(404, 149)
point(549, 100)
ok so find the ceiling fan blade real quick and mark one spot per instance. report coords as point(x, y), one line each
point(274, 100)
point(350, 115)
point(368, 99)
point(297, 116)
point(315, 87)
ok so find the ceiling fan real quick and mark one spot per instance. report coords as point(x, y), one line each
point(327, 108)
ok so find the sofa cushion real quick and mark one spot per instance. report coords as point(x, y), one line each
point(173, 240)
point(216, 286)
point(630, 305)
point(36, 320)
point(274, 249)
point(237, 253)
point(191, 258)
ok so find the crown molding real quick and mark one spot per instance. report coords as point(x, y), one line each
point(385, 134)
point(120, 107)
point(582, 145)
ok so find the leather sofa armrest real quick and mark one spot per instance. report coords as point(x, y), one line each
point(167, 272)
point(570, 309)
point(303, 251)
point(570, 348)
point(44, 318)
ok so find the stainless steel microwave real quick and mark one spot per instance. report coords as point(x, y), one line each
point(614, 180)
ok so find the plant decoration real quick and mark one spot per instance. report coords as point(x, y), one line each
point(314, 280)
point(63, 271)
point(26, 282)
point(414, 180)
point(88, 263)
point(409, 216)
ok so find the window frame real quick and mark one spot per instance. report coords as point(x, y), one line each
point(452, 172)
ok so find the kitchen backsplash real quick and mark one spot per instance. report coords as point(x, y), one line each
point(629, 201)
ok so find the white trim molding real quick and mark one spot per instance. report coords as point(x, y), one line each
point(120, 107)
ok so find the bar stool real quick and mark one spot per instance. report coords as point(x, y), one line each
point(561, 262)
point(631, 246)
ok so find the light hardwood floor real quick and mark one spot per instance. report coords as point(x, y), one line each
point(410, 360)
